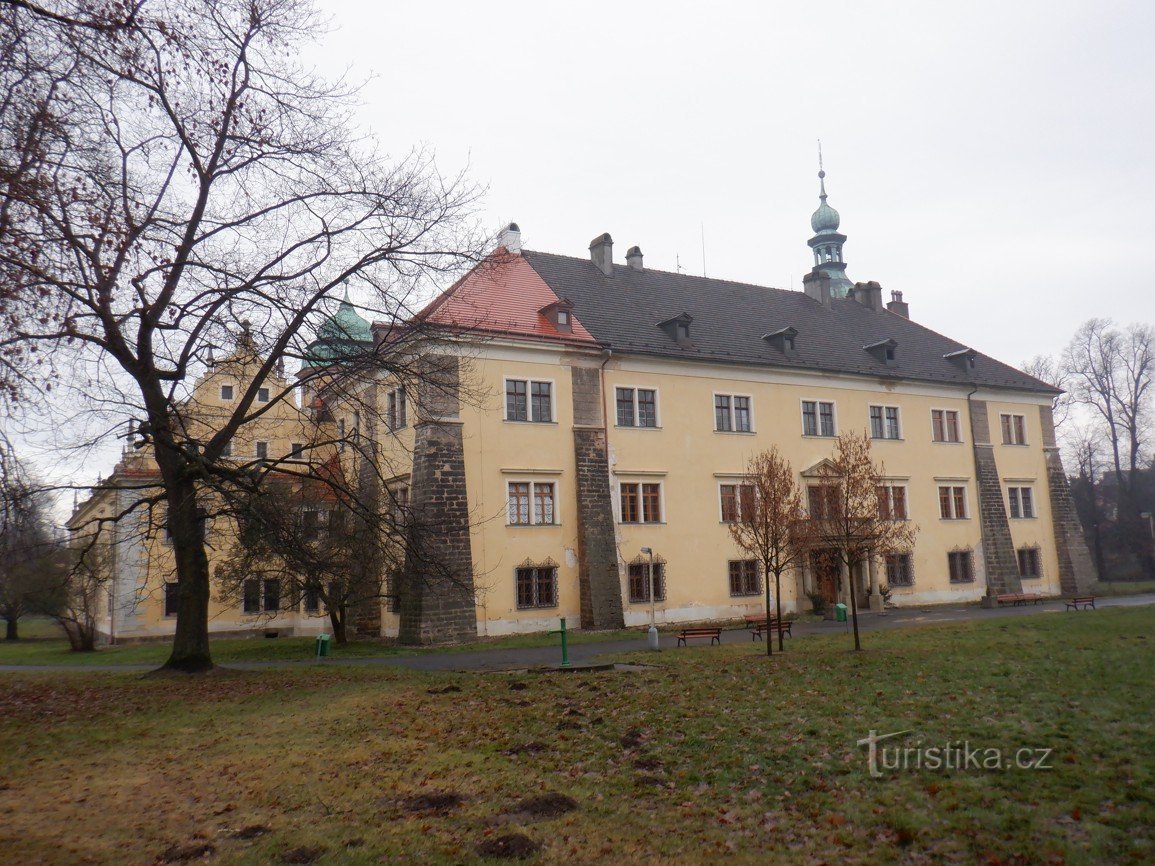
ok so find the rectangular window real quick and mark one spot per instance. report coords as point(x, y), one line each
point(272, 595)
point(817, 418)
point(226, 392)
point(641, 503)
point(884, 422)
point(1022, 502)
point(262, 450)
point(262, 395)
point(744, 577)
point(171, 598)
point(1029, 562)
point(395, 408)
point(312, 600)
point(400, 505)
point(892, 502)
point(952, 503)
point(541, 401)
point(516, 400)
point(961, 567)
point(898, 570)
point(252, 596)
point(637, 407)
point(626, 407)
point(536, 587)
point(732, 413)
point(823, 501)
point(1014, 429)
point(519, 503)
point(521, 494)
point(944, 425)
point(227, 450)
point(723, 416)
point(297, 450)
point(640, 587)
point(737, 502)
point(528, 401)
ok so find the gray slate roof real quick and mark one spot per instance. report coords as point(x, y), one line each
point(730, 319)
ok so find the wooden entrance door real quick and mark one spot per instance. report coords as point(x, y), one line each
point(824, 565)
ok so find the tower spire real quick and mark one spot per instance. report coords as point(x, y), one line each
point(827, 242)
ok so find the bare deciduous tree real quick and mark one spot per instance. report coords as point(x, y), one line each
point(772, 526)
point(1111, 373)
point(174, 170)
point(27, 546)
point(853, 518)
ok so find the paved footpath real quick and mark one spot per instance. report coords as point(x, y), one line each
point(515, 659)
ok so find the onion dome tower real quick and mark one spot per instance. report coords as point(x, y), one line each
point(827, 242)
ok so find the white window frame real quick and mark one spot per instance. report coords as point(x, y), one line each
point(731, 395)
point(396, 409)
point(818, 417)
point(952, 485)
point(257, 449)
point(263, 391)
point(738, 482)
point(897, 420)
point(958, 425)
point(232, 392)
point(625, 386)
point(638, 482)
point(890, 486)
point(1012, 416)
point(1015, 502)
point(529, 381)
point(533, 482)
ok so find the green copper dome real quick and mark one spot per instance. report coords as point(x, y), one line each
point(339, 336)
point(825, 220)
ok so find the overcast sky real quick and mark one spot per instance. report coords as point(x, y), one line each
point(991, 160)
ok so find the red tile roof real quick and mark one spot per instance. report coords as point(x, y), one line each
point(502, 295)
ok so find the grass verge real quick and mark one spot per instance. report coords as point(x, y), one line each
point(713, 752)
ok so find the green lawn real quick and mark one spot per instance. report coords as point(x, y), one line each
point(42, 643)
point(715, 753)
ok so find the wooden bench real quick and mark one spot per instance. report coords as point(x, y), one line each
point(758, 626)
point(714, 634)
point(1085, 600)
point(1017, 598)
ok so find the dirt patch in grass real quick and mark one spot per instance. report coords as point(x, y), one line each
point(433, 803)
point(187, 853)
point(531, 748)
point(302, 855)
point(548, 805)
point(511, 846)
point(253, 831)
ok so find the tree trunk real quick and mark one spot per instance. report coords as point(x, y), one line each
point(778, 601)
point(10, 630)
point(769, 637)
point(337, 620)
point(190, 645)
point(853, 605)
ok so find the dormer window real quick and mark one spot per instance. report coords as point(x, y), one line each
point(782, 340)
point(885, 351)
point(560, 315)
point(678, 327)
point(964, 358)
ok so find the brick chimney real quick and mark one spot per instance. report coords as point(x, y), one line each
point(898, 306)
point(868, 294)
point(816, 284)
point(634, 258)
point(602, 253)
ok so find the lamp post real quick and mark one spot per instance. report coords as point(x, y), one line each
point(653, 633)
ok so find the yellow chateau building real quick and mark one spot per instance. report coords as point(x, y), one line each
point(603, 412)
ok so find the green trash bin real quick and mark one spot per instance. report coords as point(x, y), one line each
point(840, 612)
point(322, 645)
